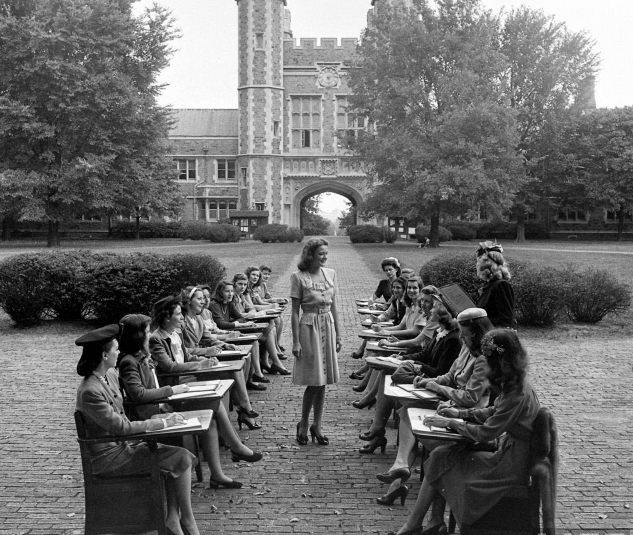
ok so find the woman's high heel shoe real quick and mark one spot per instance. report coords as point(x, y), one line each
point(355, 355)
point(301, 439)
point(248, 414)
point(358, 388)
point(361, 405)
point(272, 370)
point(321, 439)
point(357, 376)
point(242, 420)
point(371, 436)
point(237, 457)
point(372, 446)
point(227, 485)
point(391, 476)
point(414, 531)
point(401, 492)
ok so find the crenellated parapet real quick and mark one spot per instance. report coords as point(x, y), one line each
point(310, 50)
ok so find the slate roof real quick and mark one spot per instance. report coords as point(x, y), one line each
point(204, 123)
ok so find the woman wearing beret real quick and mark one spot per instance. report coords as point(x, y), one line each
point(101, 403)
point(472, 482)
point(136, 370)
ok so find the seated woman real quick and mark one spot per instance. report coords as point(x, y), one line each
point(391, 268)
point(465, 385)
point(436, 359)
point(244, 306)
point(101, 403)
point(253, 293)
point(496, 296)
point(416, 315)
point(168, 350)
point(472, 482)
point(197, 337)
point(264, 287)
point(136, 371)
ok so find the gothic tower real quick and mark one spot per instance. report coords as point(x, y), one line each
point(261, 92)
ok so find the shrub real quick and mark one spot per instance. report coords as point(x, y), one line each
point(148, 229)
point(453, 268)
point(390, 236)
point(593, 294)
point(540, 294)
point(461, 231)
point(536, 231)
point(22, 290)
point(497, 230)
point(422, 232)
point(276, 232)
point(365, 234)
point(125, 284)
point(223, 233)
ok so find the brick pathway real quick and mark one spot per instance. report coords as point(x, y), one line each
point(313, 489)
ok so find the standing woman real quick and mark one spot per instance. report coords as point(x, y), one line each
point(315, 336)
point(496, 296)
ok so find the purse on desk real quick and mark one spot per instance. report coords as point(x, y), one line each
point(406, 373)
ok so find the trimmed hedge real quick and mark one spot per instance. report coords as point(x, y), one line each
point(391, 236)
point(126, 230)
point(276, 232)
point(542, 295)
point(422, 232)
point(461, 231)
point(105, 287)
point(365, 234)
point(213, 232)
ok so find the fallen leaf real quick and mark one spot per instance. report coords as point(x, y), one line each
point(627, 506)
point(337, 512)
point(284, 428)
point(258, 494)
point(68, 477)
point(303, 495)
point(295, 519)
point(602, 515)
point(70, 515)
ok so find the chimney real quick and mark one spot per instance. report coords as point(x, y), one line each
point(287, 24)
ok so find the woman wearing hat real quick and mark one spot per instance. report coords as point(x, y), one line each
point(496, 296)
point(472, 482)
point(465, 385)
point(101, 403)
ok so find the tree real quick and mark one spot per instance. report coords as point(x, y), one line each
point(348, 217)
point(312, 223)
point(80, 130)
point(549, 69)
point(598, 159)
point(444, 137)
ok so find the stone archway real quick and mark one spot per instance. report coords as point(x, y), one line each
point(316, 188)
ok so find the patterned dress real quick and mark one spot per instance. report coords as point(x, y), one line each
point(318, 365)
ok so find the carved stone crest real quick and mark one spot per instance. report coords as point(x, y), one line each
point(328, 77)
point(328, 167)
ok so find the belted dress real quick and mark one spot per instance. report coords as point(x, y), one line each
point(474, 481)
point(318, 365)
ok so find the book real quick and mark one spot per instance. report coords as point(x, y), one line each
point(417, 416)
point(421, 393)
point(191, 423)
point(456, 298)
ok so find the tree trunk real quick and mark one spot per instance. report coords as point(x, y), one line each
point(7, 224)
point(435, 230)
point(109, 226)
point(53, 234)
point(137, 230)
point(521, 226)
point(620, 222)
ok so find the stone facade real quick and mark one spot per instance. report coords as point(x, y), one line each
point(283, 144)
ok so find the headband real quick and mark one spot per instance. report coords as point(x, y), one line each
point(195, 289)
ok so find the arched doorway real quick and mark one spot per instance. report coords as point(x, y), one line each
point(324, 186)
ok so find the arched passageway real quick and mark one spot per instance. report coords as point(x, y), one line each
point(321, 187)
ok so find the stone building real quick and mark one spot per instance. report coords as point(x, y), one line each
point(287, 141)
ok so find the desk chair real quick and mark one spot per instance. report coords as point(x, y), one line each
point(518, 513)
point(120, 504)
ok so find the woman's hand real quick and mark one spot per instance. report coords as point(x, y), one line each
point(229, 347)
point(174, 418)
point(215, 350)
point(296, 349)
point(376, 328)
point(338, 344)
point(436, 421)
point(180, 389)
point(392, 340)
point(432, 386)
point(420, 382)
point(449, 412)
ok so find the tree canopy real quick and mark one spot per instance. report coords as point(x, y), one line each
point(444, 138)
point(80, 129)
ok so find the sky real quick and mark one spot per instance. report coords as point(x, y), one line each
point(203, 69)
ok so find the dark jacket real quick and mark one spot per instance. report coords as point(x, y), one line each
point(225, 319)
point(438, 356)
point(162, 354)
point(497, 299)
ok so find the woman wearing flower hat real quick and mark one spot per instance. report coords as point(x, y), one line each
point(496, 296)
point(100, 401)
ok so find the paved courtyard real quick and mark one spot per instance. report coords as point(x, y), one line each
point(585, 378)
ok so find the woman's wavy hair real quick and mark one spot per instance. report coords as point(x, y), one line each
point(507, 359)
point(307, 253)
point(248, 272)
point(444, 317)
point(186, 296)
point(407, 300)
point(219, 289)
point(479, 327)
point(164, 314)
point(402, 282)
point(394, 263)
point(408, 272)
point(91, 357)
point(491, 265)
point(132, 338)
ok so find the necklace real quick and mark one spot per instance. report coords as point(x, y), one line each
point(101, 378)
